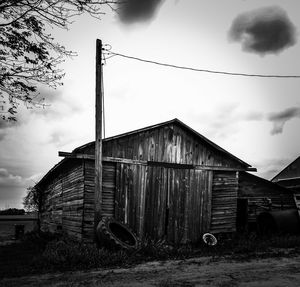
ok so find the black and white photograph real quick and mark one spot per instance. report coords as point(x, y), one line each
point(149, 143)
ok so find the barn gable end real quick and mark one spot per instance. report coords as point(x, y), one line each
point(172, 142)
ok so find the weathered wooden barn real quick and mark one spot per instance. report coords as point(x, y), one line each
point(164, 181)
point(256, 195)
point(289, 177)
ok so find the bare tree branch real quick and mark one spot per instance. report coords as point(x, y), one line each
point(29, 56)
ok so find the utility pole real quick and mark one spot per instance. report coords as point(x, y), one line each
point(98, 135)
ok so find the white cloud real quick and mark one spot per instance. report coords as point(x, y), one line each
point(8, 179)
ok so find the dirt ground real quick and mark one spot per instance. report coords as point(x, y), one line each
point(192, 272)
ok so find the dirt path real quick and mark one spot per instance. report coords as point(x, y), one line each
point(192, 272)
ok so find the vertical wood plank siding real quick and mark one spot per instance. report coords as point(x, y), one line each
point(224, 202)
point(63, 207)
point(108, 195)
point(176, 204)
point(159, 202)
point(169, 143)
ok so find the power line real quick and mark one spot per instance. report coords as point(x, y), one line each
point(112, 54)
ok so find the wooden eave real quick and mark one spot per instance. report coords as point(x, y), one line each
point(51, 172)
point(274, 179)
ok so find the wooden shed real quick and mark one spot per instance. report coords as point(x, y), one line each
point(256, 195)
point(165, 181)
point(289, 177)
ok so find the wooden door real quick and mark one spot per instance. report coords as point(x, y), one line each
point(163, 202)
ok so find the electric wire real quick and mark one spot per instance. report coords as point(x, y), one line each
point(111, 54)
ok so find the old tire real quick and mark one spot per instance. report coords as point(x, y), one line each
point(115, 235)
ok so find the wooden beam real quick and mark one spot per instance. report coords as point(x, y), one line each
point(171, 165)
point(76, 155)
point(124, 160)
point(153, 163)
point(220, 168)
point(104, 158)
point(98, 135)
point(251, 169)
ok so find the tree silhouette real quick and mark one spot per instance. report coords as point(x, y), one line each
point(29, 55)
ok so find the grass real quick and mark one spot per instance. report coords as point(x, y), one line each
point(37, 254)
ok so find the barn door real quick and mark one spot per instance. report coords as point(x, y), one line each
point(129, 204)
point(188, 204)
point(164, 203)
point(177, 205)
point(155, 203)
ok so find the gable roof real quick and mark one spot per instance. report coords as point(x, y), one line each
point(266, 182)
point(79, 149)
point(289, 172)
point(174, 121)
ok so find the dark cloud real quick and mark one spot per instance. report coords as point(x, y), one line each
point(131, 11)
point(264, 31)
point(279, 119)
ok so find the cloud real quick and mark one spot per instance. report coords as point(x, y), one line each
point(4, 124)
point(264, 31)
point(131, 11)
point(226, 121)
point(280, 118)
point(56, 105)
point(13, 187)
point(253, 116)
point(4, 127)
point(268, 168)
point(8, 179)
point(47, 96)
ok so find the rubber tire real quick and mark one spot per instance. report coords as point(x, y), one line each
point(109, 239)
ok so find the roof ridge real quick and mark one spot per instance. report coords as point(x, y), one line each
point(280, 172)
point(175, 120)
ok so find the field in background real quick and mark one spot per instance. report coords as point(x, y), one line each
point(8, 223)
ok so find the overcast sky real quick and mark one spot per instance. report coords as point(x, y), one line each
point(256, 119)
